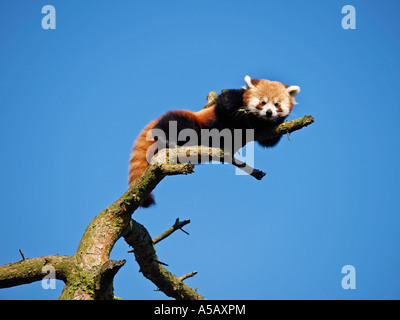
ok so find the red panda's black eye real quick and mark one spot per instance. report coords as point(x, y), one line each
point(263, 102)
point(276, 104)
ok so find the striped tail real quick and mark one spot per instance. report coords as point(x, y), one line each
point(138, 161)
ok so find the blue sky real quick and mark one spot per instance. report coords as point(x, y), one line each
point(73, 100)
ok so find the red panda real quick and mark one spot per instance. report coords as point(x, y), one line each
point(261, 105)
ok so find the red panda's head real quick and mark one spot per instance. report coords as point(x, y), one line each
point(269, 100)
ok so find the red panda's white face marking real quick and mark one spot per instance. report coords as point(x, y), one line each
point(269, 100)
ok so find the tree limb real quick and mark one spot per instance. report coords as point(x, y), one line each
point(106, 228)
point(177, 225)
point(138, 237)
point(30, 270)
point(294, 125)
point(188, 275)
point(105, 290)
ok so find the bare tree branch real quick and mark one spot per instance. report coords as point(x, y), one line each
point(294, 125)
point(177, 225)
point(30, 270)
point(188, 275)
point(106, 228)
point(138, 237)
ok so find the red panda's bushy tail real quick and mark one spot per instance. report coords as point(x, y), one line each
point(138, 161)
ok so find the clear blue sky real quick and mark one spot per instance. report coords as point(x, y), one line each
point(74, 99)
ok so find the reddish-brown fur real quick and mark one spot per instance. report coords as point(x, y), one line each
point(205, 116)
point(188, 114)
point(138, 160)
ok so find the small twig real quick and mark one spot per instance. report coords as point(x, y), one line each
point(162, 263)
point(188, 275)
point(177, 225)
point(255, 173)
point(22, 255)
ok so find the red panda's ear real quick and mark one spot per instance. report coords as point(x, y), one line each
point(249, 82)
point(293, 90)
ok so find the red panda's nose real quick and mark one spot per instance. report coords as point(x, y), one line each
point(268, 113)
